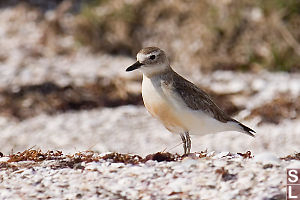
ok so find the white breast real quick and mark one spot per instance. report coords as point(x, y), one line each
point(170, 109)
point(159, 107)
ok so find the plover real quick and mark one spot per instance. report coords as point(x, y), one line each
point(180, 105)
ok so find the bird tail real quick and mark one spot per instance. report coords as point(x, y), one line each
point(243, 128)
point(246, 129)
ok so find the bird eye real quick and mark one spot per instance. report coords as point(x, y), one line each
point(152, 57)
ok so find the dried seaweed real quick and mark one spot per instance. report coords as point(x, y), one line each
point(246, 155)
point(35, 155)
point(48, 97)
point(122, 158)
point(161, 156)
point(295, 156)
point(76, 160)
point(282, 107)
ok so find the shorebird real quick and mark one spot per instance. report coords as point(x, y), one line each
point(181, 106)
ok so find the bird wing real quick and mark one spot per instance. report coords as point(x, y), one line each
point(197, 99)
point(194, 97)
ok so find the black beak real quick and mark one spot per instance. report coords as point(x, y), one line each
point(134, 66)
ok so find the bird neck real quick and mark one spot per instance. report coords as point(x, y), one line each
point(154, 73)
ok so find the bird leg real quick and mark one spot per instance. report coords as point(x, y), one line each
point(188, 142)
point(184, 143)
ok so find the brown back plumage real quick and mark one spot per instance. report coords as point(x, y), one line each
point(194, 97)
point(197, 99)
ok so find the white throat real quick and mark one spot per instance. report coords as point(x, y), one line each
point(151, 70)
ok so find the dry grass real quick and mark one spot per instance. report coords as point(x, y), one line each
point(211, 35)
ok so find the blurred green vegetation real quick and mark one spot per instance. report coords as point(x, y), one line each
point(230, 35)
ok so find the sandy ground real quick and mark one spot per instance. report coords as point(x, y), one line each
point(216, 176)
point(130, 129)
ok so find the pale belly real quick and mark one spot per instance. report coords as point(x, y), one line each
point(160, 108)
point(177, 117)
